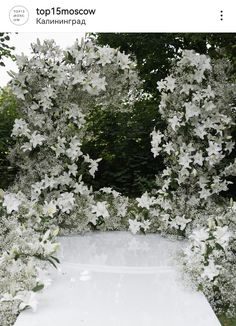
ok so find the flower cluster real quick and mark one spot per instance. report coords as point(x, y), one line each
point(24, 256)
point(210, 261)
point(56, 90)
point(196, 104)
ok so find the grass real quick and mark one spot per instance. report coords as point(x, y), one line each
point(227, 322)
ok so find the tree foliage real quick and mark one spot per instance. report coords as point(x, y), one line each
point(5, 49)
point(8, 114)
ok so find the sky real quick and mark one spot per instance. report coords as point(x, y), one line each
point(22, 41)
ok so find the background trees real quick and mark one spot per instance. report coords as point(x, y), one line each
point(5, 49)
point(8, 113)
point(7, 117)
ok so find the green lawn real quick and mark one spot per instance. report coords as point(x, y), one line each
point(227, 322)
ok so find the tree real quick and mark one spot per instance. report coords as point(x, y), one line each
point(8, 114)
point(5, 49)
point(122, 139)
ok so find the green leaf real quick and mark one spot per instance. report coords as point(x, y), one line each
point(38, 287)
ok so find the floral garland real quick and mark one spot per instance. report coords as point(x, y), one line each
point(56, 90)
point(196, 104)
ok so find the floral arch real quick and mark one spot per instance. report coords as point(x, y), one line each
point(56, 90)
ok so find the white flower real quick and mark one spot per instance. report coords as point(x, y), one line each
point(145, 225)
point(123, 60)
point(185, 159)
point(106, 55)
point(36, 189)
point(234, 206)
point(109, 190)
point(180, 222)
point(48, 182)
point(28, 299)
point(222, 236)
point(36, 139)
point(21, 60)
point(208, 92)
point(78, 77)
point(210, 271)
point(6, 297)
point(209, 106)
point(214, 148)
point(204, 193)
point(64, 179)
point(199, 236)
point(191, 110)
point(19, 92)
point(75, 113)
point(186, 88)
point(168, 147)
point(66, 202)
point(161, 85)
point(121, 207)
point(49, 209)
point(170, 83)
point(26, 147)
point(11, 202)
point(229, 146)
point(145, 201)
point(174, 122)
point(166, 172)
point(93, 164)
point(200, 131)
point(134, 226)
point(59, 147)
point(20, 128)
point(198, 158)
point(100, 209)
point(73, 169)
point(199, 76)
point(82, 189)
point(74, 151)
point(99, 83)
point(156, 141)
point(50, 247)
point(219, 185)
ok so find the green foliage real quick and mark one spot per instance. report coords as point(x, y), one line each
point(8, 114)
point(5, 49)
point(227, 321)
point(122, 140)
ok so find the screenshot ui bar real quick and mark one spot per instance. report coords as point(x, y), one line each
point(118, 16)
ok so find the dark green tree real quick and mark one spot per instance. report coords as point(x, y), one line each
point(5, 49)
point(8, 113)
